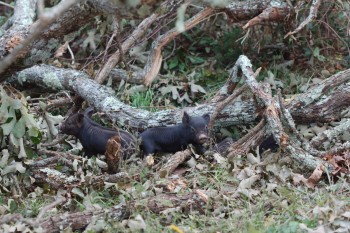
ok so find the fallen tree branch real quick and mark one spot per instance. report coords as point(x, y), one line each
point(59, 180)
point(253, 138)
point(173, 162)
point(102, 99)
point(334, 93)
point(44, 20)
point(318, 104)
point(221, 105)
point(330, 134)
point(325, 105)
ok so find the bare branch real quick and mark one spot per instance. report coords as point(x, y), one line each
point(155, 58)
point(313, 13)
point(174, 161)
point(59, 200)
point(133, 38)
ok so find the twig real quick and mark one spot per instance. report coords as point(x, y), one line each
point(115, 26)
point(268, 14)
point(6, 4)
point(45, 162)
point(15, 180)
point(312, 14)
point(223, 104)
point(71, 53)
point(55, 142)
point(45, 209)
point(68, 156)
point(259, 127)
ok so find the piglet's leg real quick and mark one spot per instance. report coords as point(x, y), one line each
point(148, 148)
point(199, 148)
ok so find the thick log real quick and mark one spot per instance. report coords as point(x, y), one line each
point(50, 78)
point(318, 104)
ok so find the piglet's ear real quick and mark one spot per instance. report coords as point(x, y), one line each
point(186, 118)
point(89, 111)
point(206, 117)
point(80, 119)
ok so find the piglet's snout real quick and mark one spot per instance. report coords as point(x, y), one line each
point(61, 128)
point(202, 137)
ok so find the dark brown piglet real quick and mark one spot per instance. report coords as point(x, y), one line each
point(192, 130)
point(94, 137)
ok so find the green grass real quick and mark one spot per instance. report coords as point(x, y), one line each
point(143, 100)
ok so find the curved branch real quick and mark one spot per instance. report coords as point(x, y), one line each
point(313, 13)
point(154, 60)
point(133, 38)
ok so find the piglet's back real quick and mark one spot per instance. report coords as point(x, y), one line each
point(94, 137)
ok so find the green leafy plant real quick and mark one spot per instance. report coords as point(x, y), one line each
point(18, 126)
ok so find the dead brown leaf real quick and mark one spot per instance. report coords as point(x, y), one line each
point(315, 176)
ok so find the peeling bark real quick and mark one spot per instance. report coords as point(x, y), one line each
point(318, 104)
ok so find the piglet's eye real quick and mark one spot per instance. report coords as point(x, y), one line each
point(206, 126)
point(193, 130)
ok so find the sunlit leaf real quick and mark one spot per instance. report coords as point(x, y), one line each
point(15, 104)
point(52, 121)
point(7, 127)
point(101, 164)
point(180, 22)
point(173, 63)
point(75, 165)
point(12, 205)
point(35, 135)
point(22, 153)
point(78, 192)
point(137, 224)
point(197, 88)
point(29, 118)
point(3, 114)
point(13, 167)
point(4, 158)
point(172, 89)
point(14, 140)
point(19, 128)
point(196, 60)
